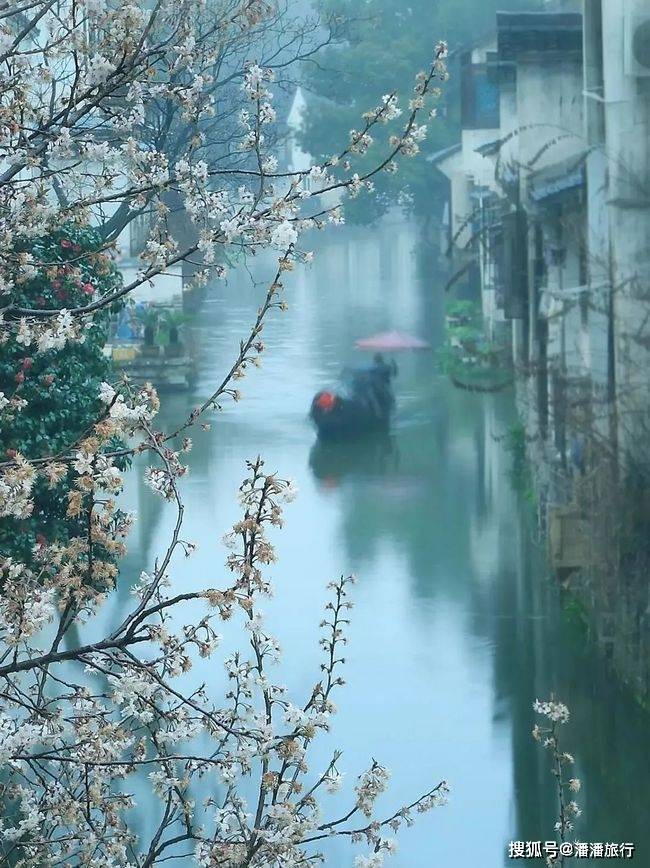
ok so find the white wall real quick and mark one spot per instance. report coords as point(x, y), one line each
point(627, 149)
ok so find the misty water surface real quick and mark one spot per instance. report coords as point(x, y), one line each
point(458, 624)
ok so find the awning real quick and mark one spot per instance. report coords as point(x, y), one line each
point(535, 32)
point(557, 179)
point(442, 155)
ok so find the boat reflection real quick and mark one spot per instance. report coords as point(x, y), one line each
point(373, 460)
point(376, 454)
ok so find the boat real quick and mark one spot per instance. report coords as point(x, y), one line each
point(361, 403)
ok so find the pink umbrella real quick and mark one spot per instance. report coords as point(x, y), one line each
point(391, 341)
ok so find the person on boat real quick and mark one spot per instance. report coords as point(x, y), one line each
point(382, 369)
point(364, 400)
point(381, 373)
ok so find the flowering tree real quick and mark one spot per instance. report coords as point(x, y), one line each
point(277, 38)
point(81, 717)
point(59, 383)
point(556, 714)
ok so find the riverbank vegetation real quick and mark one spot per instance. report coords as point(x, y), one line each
point(468, 356)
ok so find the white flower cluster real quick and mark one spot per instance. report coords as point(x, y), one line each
point(99, 68)
point(556, 712)
point(19, 736)
point(49, 336)
point(130, 412)
point(360, 142)
point(18, 621)
point(254, 83)
point(134, 692)
point(283, 235)
point(159, 481)
point(31, 818)
point(388, 110)
point(375, 860)
point(372, 784)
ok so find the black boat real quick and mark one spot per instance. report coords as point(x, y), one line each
point(362, 402)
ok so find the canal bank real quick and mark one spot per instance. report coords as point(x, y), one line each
point(458, 624)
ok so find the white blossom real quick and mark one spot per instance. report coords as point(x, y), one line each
point(283, 235)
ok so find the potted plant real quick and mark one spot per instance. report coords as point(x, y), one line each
point(150, 320)
point(172, 320)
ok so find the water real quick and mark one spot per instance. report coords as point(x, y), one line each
point(458, 624)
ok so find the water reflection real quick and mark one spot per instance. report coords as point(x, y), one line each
point(458, 626)
point(333, 461)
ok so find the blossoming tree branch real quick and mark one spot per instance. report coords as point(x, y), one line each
point(109, 112)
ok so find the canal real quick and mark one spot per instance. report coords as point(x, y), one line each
point(458, 624)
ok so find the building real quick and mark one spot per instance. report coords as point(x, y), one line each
point(549, 212)
point(296, 159)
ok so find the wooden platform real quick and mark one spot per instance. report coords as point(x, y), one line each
point(570, 545)
point(167, 372)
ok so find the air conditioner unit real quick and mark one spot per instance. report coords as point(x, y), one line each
point(637, 45)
